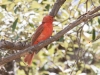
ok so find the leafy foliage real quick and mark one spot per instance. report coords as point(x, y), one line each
point(75, 53)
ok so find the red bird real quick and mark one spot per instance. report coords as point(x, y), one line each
point(43, 32)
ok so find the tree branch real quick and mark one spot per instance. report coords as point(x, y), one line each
point(56, 7)
point(22, 45)
point(89, 15)
point(13, 45)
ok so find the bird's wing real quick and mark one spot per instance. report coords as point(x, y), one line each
point(37, 33)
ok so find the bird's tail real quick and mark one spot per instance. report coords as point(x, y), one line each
point(28, 58)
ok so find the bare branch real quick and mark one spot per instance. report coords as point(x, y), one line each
point(95, 10)
point(13, 46)
point(56, 7)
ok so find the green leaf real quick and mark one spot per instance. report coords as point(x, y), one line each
point(3, 6)
point(61, 39)
point(93, 34)
point(5, 2)
point(14, 25)
point(91, 21)
point(35, 4)
point(99, 20)
point(10, 7)
point(78, 72)
point(31, 24)
point(10, 0)
point(16, 10)
point(47, 7)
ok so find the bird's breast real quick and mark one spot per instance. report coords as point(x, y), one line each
point(46, 33)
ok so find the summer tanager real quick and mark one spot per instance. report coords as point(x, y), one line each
point(43, 32)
